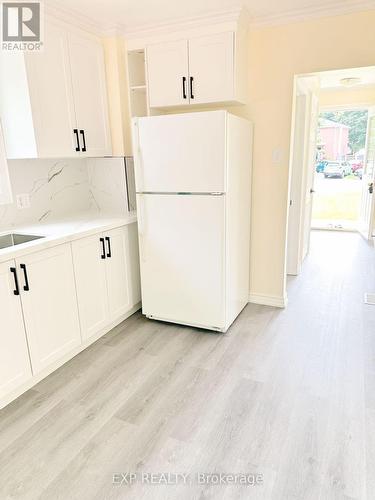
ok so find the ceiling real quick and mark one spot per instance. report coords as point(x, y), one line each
point(128, 15)
point(333, 79)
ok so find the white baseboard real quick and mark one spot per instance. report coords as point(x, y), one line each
point(268, 300)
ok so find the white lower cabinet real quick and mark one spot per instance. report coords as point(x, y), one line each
point(89, 270)
point(15, 366)
point(49, 305)
point(104, 268)
point(52, 301)
point(117, 268)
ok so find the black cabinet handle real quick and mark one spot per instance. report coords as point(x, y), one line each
point(191, 88)
point(77, 139)
point(26, 286)
point(16, 290)
point(108, 240)
point(184, 87)
point(103, 248)
point(82, 132)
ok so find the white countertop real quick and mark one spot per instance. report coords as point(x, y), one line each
point(61, 231)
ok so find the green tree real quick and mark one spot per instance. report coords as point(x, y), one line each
point(356, 120)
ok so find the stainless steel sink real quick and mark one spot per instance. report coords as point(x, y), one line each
point(10, 240)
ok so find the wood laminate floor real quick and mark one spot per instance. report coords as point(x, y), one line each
point(285, 394)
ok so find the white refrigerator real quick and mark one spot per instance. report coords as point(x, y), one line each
point(193, 182)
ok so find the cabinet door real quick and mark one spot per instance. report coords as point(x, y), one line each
point(50, 305)
point(14, 357)
point(211, 67)
point(90, 94)
point(117, 267)
point(51, 95)
point(90, 273)
point(167, 72)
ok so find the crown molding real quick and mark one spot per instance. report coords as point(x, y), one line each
point(174, 25)
point(236, 15)
point(72, 17)
point(304, 14)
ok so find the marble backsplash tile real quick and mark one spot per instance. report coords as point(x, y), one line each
point(107, 185)
point(63, 188)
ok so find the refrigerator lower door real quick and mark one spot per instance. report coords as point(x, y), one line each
point(182, 245)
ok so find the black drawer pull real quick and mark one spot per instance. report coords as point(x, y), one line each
point(77, 139)
point(191, 88)
point(108, 240)
point(82, 132)
point(184, 87)
point(26, 286)
point(16, 290)
point(103, 248)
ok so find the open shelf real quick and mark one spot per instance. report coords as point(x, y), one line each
point(136, 65)
point(137, 83)
point(138, 88)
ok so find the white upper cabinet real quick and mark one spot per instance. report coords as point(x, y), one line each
point(6, 195)
point(90, 95)
point(51, 96)
point(167, 68)
point(200, 70)
point(53, 103)
point(211, 68)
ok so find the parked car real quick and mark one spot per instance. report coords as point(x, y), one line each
point(355, 165)
point(337, 169)
point(359, 172)
point(319, 167)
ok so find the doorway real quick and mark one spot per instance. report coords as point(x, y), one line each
point(340, 153)
point(332, 157)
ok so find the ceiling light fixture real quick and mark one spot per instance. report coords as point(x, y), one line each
point(349, 82)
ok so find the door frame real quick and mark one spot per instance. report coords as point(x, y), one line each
point(368, 230)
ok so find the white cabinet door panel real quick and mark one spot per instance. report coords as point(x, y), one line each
point(182, 258)
point(90, 94)
point(211, 66)
point(14, 357)
point(181, 153)
point(90, 274)
point(51, 95)
point(50, 306)
point(118, 279)
point(167, 65)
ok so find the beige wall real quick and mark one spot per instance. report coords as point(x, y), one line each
point(118, 98)
point(362, 96)
point(276, 55)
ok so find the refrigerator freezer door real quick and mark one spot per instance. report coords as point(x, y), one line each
point(181, 153)
point(182, 258)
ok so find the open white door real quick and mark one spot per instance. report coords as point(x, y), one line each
point(303, 147)
point(366, 219)
point(309, 171)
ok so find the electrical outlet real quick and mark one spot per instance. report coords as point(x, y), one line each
point(23, 201)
